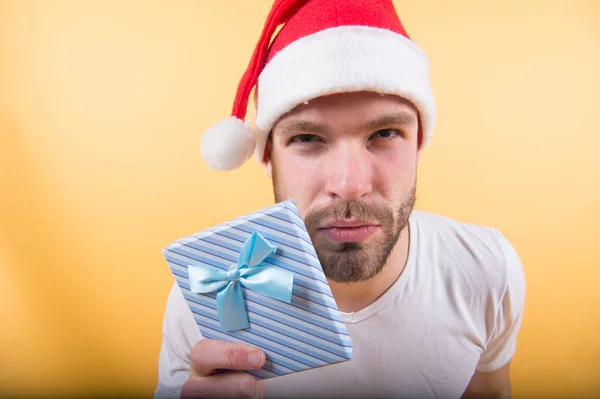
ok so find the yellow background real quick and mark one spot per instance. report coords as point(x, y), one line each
point(102, 105)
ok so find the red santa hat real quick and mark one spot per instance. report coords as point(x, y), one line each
point(324, 47)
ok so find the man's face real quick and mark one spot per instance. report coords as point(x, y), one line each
point(349, 162)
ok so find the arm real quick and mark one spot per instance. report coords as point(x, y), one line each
point(188, 362)
point(492, 376)
point(179, 335)
point(495, 384)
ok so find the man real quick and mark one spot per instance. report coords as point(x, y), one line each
point(344, 109)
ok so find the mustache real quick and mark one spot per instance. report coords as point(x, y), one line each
point(340, 210)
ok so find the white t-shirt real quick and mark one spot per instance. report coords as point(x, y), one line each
point(456, 308)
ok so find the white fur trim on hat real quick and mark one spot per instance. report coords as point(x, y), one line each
point(343, 59)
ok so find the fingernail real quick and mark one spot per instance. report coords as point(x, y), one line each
point(255, 359)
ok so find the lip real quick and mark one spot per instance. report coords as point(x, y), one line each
point(347, 224)
point(349, 231)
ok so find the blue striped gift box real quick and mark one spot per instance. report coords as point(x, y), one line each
point(306, 333)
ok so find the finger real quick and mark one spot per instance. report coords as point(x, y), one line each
point(227, 385)
point(208, 355)
point(260, 389)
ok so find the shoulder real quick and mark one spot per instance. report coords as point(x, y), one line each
point(179, 325)
point(179, 329)
point(478, 257)
point(179, 335)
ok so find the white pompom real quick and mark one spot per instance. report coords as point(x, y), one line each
point(228, 144)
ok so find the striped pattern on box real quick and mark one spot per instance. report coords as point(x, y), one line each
point(307, 333)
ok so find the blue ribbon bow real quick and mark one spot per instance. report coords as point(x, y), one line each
point(267, 280)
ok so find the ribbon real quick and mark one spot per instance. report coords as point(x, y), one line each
point(266, 280)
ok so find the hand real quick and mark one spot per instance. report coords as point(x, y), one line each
point(212, 375)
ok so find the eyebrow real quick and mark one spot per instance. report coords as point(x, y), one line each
point(397, 119)
point(307, 127)
point(302, 126)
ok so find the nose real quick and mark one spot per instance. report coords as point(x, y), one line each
point(348, 172)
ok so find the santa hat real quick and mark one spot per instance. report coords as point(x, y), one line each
point(324, 47)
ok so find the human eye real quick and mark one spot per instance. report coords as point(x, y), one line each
point(304, 139)
point(386, 134)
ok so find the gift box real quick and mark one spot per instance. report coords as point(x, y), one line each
point(257, 280)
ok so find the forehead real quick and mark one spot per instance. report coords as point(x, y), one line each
point(357, 105)
point(350, 109)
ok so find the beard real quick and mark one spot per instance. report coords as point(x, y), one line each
point(353, 262)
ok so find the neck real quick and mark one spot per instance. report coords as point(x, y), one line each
point(353, 297)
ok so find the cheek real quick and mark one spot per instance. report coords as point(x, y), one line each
point(395, 173)
point(297, 178)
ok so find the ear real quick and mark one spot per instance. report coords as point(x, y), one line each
point(267, 159)
point(419, 141)
point(268, 169)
